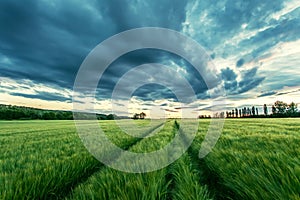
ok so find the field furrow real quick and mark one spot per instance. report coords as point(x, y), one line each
point(186, 175)
point(41, 165)
point(248, 165)
point(253, 159)
point(186, 181)
point(112, 184)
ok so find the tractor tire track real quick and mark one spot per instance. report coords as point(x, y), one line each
point(67, 191)
point(207, 176)
point(185, 173)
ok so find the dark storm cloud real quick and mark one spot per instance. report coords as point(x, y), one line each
point(151, 92)
point(130, 60)
point(44, 96)
point(127, 14)
point(249, 74)
point(285, 31)
point(46, 41)
point(38, 42)
point(188, 107)
point(169, 110)
point(250, 80)
point(227, 17)
point(289, 92)
point(211, 107)
point(7, 87)
point(238, 12)
point(228, 74)
point(231, 85)
point(229, 78)
point(127, 62)
point(270, 93)
point(240, 62)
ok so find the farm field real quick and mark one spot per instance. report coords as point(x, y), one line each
point(253, 159)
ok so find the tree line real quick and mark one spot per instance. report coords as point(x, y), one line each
point(10, 112)
point(278, 109)
point(141, 115)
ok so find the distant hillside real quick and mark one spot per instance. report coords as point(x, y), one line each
point(10, 112)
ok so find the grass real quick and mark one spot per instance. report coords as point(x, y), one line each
point(186, 179)
point(48, 158)
point(253, 159)
point(112, 184)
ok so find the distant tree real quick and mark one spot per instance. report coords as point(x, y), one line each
point(236, 113)
point(248, 112)
point(227, 114)
point(216, 115)
point(240, 112)
point(101, 116)
point(280, 107)
point(273, 110)
point(222, 115)
point(292, 109)
point(136, 116)
point(253, 111)
point(265, 109)
point(256, 111)
point(244, 111)
point(142, 115)
point(110, 117)
point(9, 112)
point(59, 115)
point(49, 116)
point(68, 115)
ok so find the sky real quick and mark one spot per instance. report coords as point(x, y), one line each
point(254, 47)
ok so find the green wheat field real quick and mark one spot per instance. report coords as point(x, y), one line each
point(253, 159)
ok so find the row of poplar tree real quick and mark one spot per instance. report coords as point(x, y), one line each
point(278, 109)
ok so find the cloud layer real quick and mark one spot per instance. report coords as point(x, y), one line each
point(44, 43)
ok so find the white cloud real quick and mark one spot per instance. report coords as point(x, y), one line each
point(289, 6)
point(282, 66)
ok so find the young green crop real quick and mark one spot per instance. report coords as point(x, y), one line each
point(44, 159)
point(186, 180)
point(255, 159)
point(112, 184)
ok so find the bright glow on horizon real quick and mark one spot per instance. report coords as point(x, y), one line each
point(153, 109)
